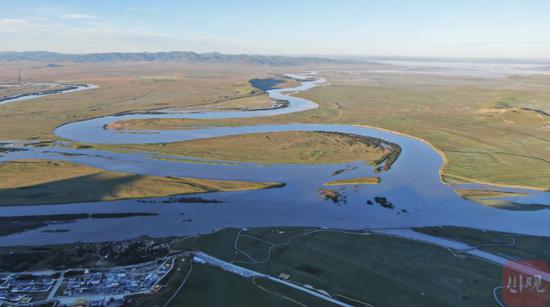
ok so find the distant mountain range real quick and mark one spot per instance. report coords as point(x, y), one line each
point(177, 56)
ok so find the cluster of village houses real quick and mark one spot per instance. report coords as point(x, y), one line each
point(92, 285)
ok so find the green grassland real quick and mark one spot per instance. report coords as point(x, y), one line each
point(369, 268)
point(479, 146)
point(509, 244)
point(209, 286)
point(31, 182)
point(354, 267)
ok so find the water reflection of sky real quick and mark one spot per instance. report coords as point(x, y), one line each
point(413, 185)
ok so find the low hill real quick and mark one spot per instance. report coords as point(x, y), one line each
point(177, 56)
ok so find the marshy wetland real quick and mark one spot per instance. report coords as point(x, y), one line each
point(271, 181)
point(407, 173)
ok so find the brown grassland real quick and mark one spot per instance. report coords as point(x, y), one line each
point(270, 148)
point(355, 181)
point(491, 130)
point(31, 182)
point(125, 87)
point(10, 89)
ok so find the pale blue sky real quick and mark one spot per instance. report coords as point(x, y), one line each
point(461, 28)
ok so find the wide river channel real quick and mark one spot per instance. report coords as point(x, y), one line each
point(413, 185)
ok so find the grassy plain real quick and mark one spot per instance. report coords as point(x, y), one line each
point(510, 147)
point(492, 130)
point(270, 148)
point(354, 267)
point(13, 89)
point(513, 245)
point(209, 286)
point(30, 182)
point(123, 87)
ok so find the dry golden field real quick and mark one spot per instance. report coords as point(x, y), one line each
point(31, 182)
point(493, 130)
point(271, 148)
point(125, 87)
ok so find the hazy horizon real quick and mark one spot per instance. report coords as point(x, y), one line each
point(359, 57)
point(465, 29)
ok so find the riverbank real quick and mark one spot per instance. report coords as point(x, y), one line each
point(476, 147)
point(17, 224)
point(479, 147)
point(62, 88)
point(429, 274)
point(41, 182)
point(123, 88)
point(454, 179)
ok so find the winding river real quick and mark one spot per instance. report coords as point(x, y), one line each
point(413, 185)
point(69, 88)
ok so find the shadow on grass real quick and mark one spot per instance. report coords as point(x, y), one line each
point(95, 187)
